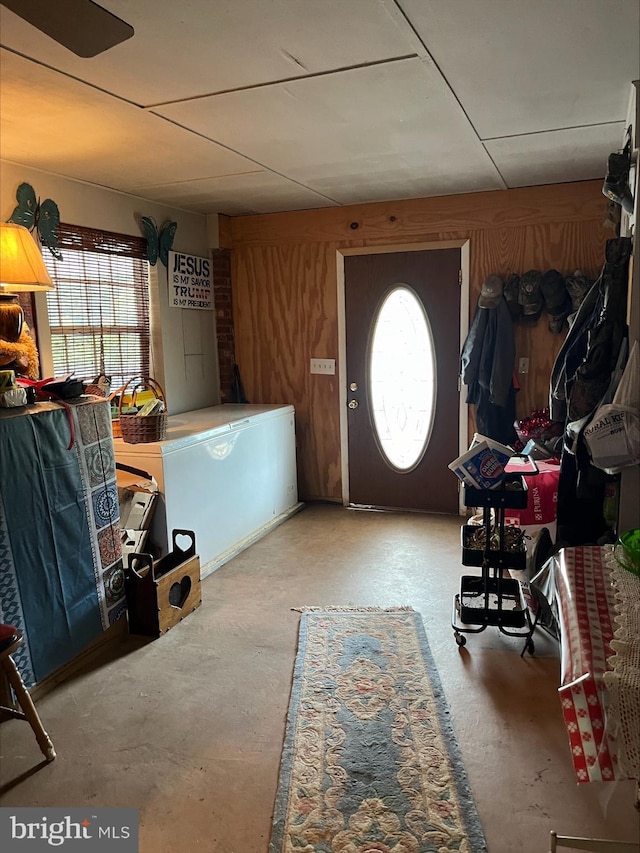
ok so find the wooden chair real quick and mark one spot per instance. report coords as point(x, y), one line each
point(28, 710)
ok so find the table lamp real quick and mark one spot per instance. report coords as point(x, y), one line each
point(22, 269)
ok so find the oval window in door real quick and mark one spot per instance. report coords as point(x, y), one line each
point(402, 378)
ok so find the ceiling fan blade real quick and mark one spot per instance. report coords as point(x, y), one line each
point(79, 25)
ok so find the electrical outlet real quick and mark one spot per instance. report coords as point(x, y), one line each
point(323, 365)
point(523, 365)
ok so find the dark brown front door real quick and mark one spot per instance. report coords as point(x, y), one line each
point(429, 279)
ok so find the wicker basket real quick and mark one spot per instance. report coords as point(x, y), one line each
point(137, 430)
point(115, 421)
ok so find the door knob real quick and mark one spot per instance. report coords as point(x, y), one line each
point(353, 404)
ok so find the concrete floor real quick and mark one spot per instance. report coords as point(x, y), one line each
point(189, 727)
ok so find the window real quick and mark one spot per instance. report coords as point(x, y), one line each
point(99, 311)
point(402, 378)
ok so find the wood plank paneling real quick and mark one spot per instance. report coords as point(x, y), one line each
point(395, 221)
point(564, 246)
point(285, 292)
point(286, 314)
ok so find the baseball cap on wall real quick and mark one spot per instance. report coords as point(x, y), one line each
point(511, 295)
point(557, 302)
point(578, 285)
point(491, 291)
point(530, 296)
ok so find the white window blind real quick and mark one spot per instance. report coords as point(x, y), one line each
point(99, 311)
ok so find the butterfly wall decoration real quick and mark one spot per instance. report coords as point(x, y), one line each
point(43, 217)
point(159, 241)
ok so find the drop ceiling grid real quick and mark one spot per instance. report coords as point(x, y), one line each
point(196, 47)
point(556, 157)
point(349, 129)
point(520, 67)
point(89, 135)
point(237, 195)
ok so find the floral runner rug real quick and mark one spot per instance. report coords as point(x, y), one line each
point(370, 763)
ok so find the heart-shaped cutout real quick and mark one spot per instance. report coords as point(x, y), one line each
point(179, 592)
point(183, 542)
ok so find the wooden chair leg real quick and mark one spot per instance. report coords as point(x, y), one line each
point(594, 845)
point(28, 708)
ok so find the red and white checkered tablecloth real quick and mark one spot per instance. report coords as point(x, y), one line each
point(586, 599)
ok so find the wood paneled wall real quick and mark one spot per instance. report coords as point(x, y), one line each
point(284, 278)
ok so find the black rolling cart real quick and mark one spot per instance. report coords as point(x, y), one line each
point(491, 598)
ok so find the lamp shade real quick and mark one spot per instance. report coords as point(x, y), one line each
point(21, 264)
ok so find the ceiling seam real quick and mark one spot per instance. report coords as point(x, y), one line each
point(495, 165)
point(249, 87)
point(72, 77)
point(554, 130)
point(311, 76)
point(180, 183)
point(262, 166)
point(103, 186)
point(431, 59)
point(436, 66)
point(246, 157)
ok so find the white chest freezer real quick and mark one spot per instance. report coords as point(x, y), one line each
point(227, 472)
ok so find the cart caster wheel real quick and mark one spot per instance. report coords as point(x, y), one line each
point(460, 639)
point(530, 647)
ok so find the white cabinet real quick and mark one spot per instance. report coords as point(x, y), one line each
point(227, 472)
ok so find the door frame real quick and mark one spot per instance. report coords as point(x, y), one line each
point(463, 419)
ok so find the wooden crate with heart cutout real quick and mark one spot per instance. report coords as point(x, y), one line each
point(161, 593)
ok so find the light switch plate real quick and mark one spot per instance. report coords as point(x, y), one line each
point(523, 365)
point(323, 365)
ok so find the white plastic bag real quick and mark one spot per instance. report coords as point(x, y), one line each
point(613, 436)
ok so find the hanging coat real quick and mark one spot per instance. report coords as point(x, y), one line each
point(486, 368)
point(488, 354)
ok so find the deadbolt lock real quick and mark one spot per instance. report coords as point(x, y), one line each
point(353, 386)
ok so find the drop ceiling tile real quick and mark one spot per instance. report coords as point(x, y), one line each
point(386, 180)
point(236, 195)
point(383, 124)
point(558, 157)
point(195, 47)
point(74, 130)
point(519, 67)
